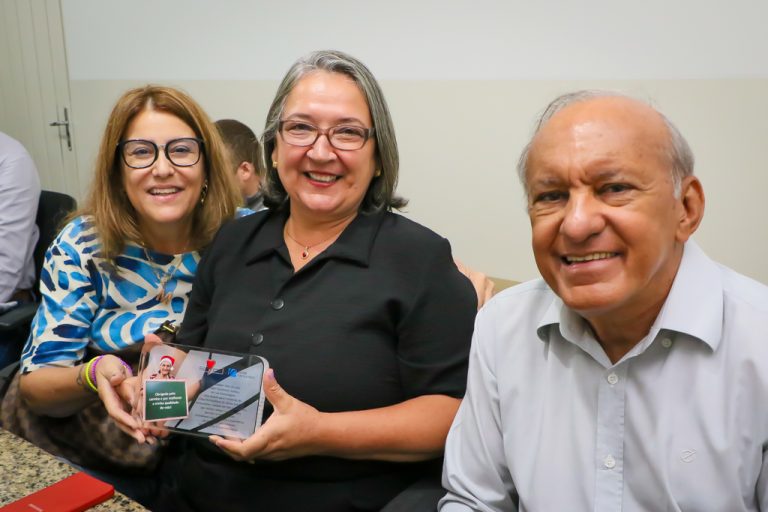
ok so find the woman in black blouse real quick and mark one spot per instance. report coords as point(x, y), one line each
point(361, 313)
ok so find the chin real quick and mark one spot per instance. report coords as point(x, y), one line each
point(591, 299)
point(321, 205)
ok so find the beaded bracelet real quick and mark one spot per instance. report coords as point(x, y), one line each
point(88, 375)
point(90, 372)
point(93, 363)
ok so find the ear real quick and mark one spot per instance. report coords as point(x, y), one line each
point(691, 206)
point(245, 169)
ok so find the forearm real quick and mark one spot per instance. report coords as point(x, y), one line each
point(56, 391)
point(409, 431)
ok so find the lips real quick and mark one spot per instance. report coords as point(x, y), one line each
point(322, 177)
point(164, 191)
point(594, 256)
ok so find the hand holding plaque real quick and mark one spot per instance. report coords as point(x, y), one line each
point(290, 432)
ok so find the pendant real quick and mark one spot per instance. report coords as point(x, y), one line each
point(305, 253)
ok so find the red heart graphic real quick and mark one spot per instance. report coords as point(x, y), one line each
point(209, 364)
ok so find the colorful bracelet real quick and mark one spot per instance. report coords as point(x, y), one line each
point(90, 372)
point(88, 376)
point(94, 362)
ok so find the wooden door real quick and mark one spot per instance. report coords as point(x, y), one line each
point(34, 89)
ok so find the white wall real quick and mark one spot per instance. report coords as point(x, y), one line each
point(464, 81)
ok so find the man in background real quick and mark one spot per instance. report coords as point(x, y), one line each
point(245, 152)
point(19, 195)
point(634, 376)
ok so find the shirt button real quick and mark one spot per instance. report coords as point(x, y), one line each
point(666, 343)
point(612, 379)
point(277, 304)
point(609, 462)
point(257, 339)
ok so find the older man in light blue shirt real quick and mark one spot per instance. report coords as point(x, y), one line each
point(634, 375)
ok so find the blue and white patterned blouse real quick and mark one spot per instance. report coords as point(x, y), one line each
point(84, 301)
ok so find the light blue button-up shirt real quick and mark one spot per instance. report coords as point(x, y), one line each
point(680, 423)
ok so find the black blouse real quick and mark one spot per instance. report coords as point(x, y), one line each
point(381, 316)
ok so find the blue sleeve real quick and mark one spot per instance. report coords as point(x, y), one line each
point(69, 288)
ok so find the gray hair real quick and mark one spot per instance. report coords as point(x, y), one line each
point(679, 154)
point(381, 191)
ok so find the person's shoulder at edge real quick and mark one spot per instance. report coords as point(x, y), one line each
point(528, 294)
point(519, 306)
point(12, 151)
point(408, 231)
point(743, 289)
point(80, 229)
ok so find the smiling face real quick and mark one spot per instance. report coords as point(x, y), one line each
point(163, 195)
point(325, 183)
point(608, 231)
point(165, 367)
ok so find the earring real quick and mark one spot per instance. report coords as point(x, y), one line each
point(204, 192)
point(377, 173)
point(274, 164)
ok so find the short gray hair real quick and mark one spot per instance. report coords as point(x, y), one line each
point(679, 152)
point(381, 191)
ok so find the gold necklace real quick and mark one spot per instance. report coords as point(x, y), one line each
point(162, 296)
point(306, 248)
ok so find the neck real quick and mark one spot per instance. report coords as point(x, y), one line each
point(617, 335)
point(167, 240)
point(309, 231)
point(251, 188)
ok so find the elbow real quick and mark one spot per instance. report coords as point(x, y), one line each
point(29, 396)
point(37, 399)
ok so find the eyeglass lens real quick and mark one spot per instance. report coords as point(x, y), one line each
point(344, 137)
point(143, 153)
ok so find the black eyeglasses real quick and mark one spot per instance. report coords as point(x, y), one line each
point(343, 137)
point(140, 154)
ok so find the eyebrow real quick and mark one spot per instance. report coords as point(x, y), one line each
point(343, 120)
point(598, 175)
point(545, 182)
point(605, 174)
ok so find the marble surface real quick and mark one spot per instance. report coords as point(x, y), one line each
point(25, 468)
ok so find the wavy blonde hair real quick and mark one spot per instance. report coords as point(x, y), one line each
point(113, 215)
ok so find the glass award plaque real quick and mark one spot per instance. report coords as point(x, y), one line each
point(199, 391)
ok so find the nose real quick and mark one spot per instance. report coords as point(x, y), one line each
point(162, 166)
point(322, 150)
point(583, 217)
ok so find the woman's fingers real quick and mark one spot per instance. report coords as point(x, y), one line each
point(116, 393)
point(288, 433)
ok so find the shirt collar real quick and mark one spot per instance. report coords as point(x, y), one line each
point(355, 242)
point(694, 306)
